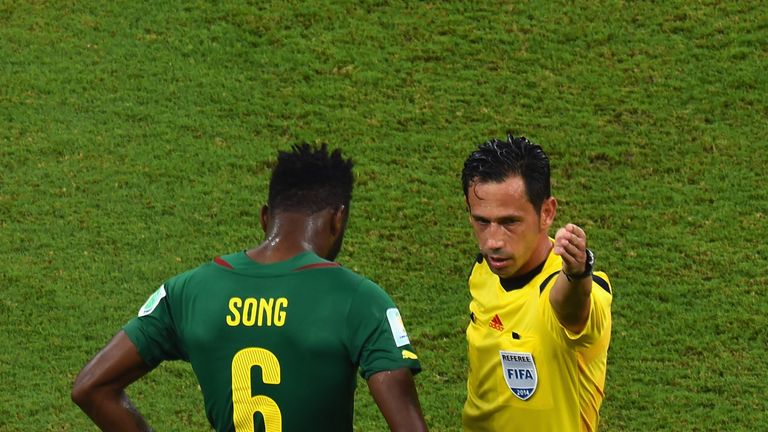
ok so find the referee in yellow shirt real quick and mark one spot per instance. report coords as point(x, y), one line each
point(540, 316)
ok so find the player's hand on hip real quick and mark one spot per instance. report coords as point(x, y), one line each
point(571, 245)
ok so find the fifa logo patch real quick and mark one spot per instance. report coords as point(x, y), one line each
point(519, 373)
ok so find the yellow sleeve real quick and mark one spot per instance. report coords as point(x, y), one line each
point(599, 320)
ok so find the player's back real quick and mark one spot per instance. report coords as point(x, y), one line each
point(280, 341)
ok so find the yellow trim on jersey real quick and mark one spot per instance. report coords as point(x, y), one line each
point(409, 355)
point(569, 368)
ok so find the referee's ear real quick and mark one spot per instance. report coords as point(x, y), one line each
point(547, 213)
point(264, 218)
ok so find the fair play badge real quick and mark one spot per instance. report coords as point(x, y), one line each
point(152, 301)
point(397, 327)
point(520, 373)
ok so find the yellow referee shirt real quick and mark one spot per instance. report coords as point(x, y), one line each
point(526, 371)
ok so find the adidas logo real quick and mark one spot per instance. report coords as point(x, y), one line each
point(496, 323)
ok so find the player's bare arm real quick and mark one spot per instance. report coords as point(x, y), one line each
point(571, 292)
point(395, 394)
point(99, 389)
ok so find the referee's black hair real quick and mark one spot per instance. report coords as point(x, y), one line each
point(308, 179)
point(497, 160)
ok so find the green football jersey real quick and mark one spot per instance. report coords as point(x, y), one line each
point(275, 347)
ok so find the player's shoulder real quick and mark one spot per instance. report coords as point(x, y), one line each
point(358, 280)
point(339, 277)
point(362, 288)
point(182, 278)
point(218, 265)
point(329, 269)
point(189, 276)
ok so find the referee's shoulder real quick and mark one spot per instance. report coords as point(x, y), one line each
point(475, 262)
point(601, 279)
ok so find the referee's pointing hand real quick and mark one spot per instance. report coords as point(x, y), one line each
point(571, 245)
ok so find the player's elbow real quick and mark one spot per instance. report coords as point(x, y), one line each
point(83, 392)
point(80, 394)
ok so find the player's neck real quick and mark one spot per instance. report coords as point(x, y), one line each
point(288, 235)
point(273, 251)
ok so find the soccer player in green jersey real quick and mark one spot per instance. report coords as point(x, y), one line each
point(275, 334)
point(540, 316)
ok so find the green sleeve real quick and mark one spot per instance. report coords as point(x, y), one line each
point(153, 331)
point(377, 336)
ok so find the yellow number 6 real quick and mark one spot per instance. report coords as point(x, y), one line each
point(245, 405)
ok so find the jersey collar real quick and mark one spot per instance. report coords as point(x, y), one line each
point(241, 263)
point(517, 282)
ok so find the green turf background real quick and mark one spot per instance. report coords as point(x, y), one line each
point(135, 140)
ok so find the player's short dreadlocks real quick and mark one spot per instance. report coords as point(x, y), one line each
point(497, 160)
point(309, 179)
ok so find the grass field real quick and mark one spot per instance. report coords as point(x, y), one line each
point(134, 140)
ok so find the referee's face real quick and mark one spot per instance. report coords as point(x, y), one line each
point(509, 231)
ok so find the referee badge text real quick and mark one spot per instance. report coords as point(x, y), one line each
point(519, 373)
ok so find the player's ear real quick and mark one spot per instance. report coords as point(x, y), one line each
point(339, 220)
point(547, 214)
point(264, 218)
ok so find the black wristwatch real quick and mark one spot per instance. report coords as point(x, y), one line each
point(587, 268)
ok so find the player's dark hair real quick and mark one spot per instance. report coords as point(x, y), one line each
point(309, 179)
point(497, 160)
